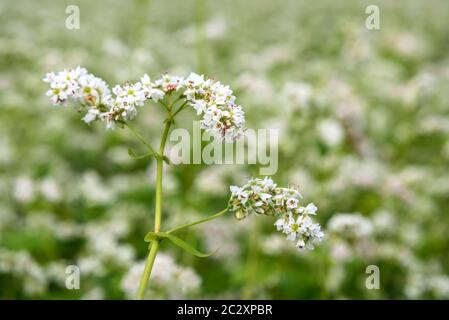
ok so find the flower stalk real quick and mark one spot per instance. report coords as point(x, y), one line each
point(154, 246)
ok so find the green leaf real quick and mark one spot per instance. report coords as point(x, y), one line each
point(187, 247)
point(152, 236)
point(133, 155)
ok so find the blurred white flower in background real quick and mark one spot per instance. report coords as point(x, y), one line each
point(23, 189)
point(50, 190)
point(331, 132)
point(94, 294)
point(257, 86)
point(296, 95)
point(93, 189)
point(350, 225)
point(176, 281)
point(21, 264)
point(216, 28)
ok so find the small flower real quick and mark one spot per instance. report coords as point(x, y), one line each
point(309, 209)
point(169, 83)
point(282, 223)
point(215, 103)
point(293, 228)
point(130, 94)
point(292, 203)
point(240, 194)
point(91, 115)
point(149, 90)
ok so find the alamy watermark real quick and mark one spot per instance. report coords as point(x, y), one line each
point(72, 22)
point(258, 146)
point(372, 22)
point(373, 280)
point(72, 281)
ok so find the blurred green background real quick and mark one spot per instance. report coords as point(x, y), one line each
point(363, 117)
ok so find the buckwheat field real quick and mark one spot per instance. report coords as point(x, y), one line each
point(346, 195)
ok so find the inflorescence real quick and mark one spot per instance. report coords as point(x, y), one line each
point(263, 196)
point(210, 99)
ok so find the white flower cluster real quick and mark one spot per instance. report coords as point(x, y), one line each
point(216, 104)
point(263, 196)
point(212, 100)
point(76, 84)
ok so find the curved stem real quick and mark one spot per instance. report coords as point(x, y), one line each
point(165, 105)
point(181, 107)
point(139, 136)
point(187, 225)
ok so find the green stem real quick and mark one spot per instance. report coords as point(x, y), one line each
point(165, 105)
point(158, 212)
point(147, 271)
point(181, 107)
point(158, 202)
point(160, 164)
point(187, 225)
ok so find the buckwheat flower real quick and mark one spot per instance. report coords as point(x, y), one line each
point(239, 193)
point(194, 87)
point(157, 95)
point(282, 223)
point(292, 203)
point(168, 83)
point(64, 85)
point(91, 115)
point(129, 94)
point(210, 99)
point(77, 85)
point(148, 89)
point(263, 196)
point(310, 233)
point(253, 197)
point(215, 103)
point(59, 92)
point(309, 209)
point(60, 88)
point(147, 86)
point(93, 90)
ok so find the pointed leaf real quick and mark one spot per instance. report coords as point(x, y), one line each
point(151, 236)
point(187, 247)
point(133, 155)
